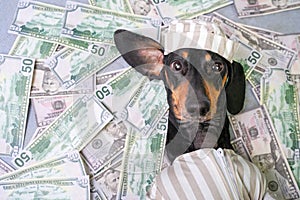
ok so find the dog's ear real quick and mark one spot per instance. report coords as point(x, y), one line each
point(235, 88)
point(142, 53)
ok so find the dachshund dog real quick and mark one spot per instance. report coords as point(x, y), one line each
point(201, 87)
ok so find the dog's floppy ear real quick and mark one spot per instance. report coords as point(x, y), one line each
point(235, 89)
point(143, 53)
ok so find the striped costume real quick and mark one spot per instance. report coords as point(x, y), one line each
point(209, 174)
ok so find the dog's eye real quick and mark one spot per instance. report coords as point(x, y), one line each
point(217, 67)
point(176, 65)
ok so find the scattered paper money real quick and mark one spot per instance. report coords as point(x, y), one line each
point(95, 115)
point(259, 142)
point(73, 130)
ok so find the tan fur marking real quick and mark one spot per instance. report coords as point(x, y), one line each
point(213, 95)
point(185, 54)
point(179, 99)
point(207, 57)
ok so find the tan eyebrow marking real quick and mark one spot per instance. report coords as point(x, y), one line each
point(207, 57)
point(185, 54)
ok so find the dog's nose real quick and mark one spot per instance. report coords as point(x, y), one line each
point(198, 108)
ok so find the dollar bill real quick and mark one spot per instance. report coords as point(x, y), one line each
point(117, 92)
point(279, 94)
point(147, 106)
point(72, 66)
point(106, 146)
point(117, 5)
point(270, 34)
point(255, 52)
point(90, 23)
point(258, 137)
point(56, 188)
point(32, 47)
point(65, 165)
point(102, 78)
point(145, 8)
point(292, 41)
point(238, 143)
point(48, 109)
point(185, 9)
point(76, 126)
point(45, 83)
point(5, 168)
point(44, 21)
point(15, 81)
point(296, 79)
point(142, 160)
point(104, 185)
point(250, 8)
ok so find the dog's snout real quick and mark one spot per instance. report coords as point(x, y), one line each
point(198, 108)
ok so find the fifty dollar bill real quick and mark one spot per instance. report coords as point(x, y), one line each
point(76, 126)
point(15, 79)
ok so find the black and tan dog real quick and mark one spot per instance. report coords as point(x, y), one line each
point(201, 86)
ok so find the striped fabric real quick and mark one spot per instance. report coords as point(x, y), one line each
point(209, 174)
point(197, 34)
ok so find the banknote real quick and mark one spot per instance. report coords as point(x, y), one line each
point(184, 9)
point(56, 188)
point(15, 81)
point(117, 5)
point(292, 41)
point(76, 126)
point(254, 80)
point(279, 94)
point(296, 79)
point(117, 92)
point(102, 78)
point(250, 8)
point(38, 131)
point(147, 106)
point(71, 66)
point(44, 21)
point(32, 47)
point(145, 8)
point(104, 185)
point(45, 83)
point(105, 146)
point(258, 136)
point(5, 168)
point(65, 165)
point(90, 23)
point(142, 160)
point(47, 109)
point(255, 52)
point(238, 144)
point(270, 34)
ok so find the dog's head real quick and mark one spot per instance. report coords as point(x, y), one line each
point(200, 84)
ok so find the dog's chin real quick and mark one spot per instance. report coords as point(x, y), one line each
point(203, 134)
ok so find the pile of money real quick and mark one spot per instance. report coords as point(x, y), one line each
point(267, 130)
point(100, 126)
